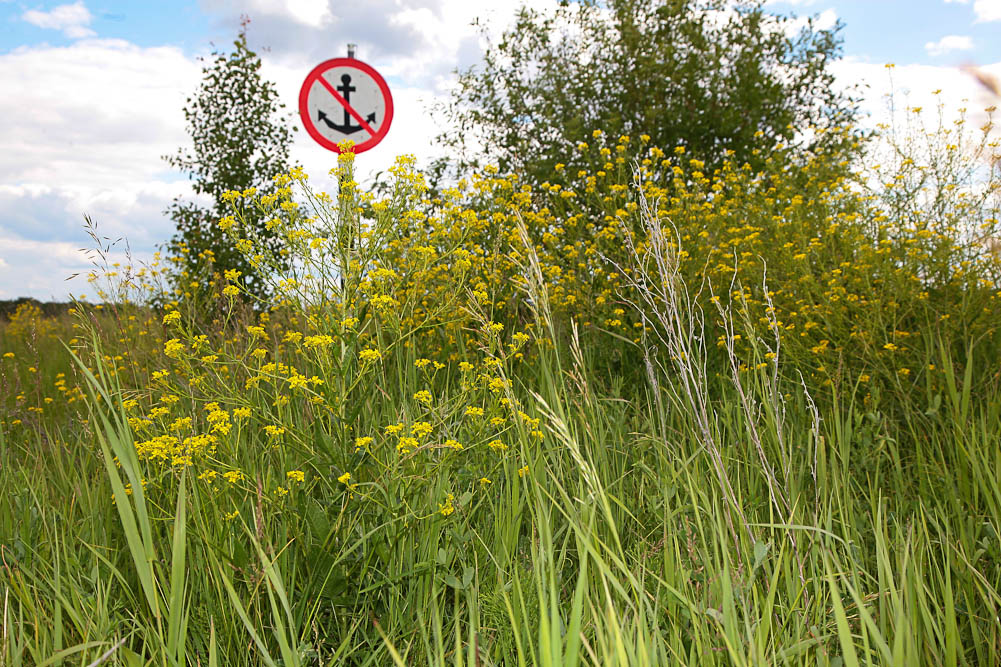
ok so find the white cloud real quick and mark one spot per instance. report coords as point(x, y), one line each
point(89, 113)
point(309, 13)
point(949, 43)
point(71, 19)
point(84, 128)
point(824, 21)
point(987, 10)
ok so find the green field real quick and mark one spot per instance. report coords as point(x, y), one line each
point(640, 415)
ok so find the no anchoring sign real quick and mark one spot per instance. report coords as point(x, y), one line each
point(344, 98)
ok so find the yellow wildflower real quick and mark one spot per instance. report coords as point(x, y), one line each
point(447, 507)
point(406, 445)
point(369, 354)
point(173, 347)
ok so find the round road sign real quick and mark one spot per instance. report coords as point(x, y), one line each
point(344, 98)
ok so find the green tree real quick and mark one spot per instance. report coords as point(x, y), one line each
point(240, 140)
point(704, 74)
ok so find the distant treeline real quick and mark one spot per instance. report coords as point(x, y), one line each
point(50, 309)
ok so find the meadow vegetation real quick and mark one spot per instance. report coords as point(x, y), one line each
point(639, 414)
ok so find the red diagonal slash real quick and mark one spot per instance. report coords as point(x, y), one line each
point(343, 102)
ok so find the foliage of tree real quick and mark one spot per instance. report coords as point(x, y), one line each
point(240, 141)
point(709, 75)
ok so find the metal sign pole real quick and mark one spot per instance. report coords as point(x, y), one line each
point(340, 99)
point(345, 210)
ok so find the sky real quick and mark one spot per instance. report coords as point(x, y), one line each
point(93, 94)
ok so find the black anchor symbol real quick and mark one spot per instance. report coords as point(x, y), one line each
point(347, 128)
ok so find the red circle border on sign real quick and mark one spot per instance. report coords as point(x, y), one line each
point(308, 123)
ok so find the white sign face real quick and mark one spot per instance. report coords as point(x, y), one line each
point(345, 99)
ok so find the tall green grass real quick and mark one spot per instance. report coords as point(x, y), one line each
point(630, 542)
